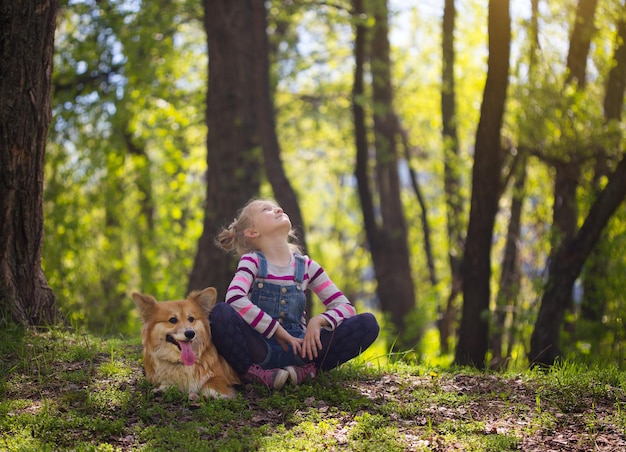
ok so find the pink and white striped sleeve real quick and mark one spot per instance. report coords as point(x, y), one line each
point(338, 307)
point(237, 296)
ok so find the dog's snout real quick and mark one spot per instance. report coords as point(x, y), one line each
point(190, 334)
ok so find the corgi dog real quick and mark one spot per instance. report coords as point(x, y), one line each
point(177, 346)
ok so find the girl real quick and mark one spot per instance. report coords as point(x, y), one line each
point(261, 330)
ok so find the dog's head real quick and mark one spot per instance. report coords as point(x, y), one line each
point(178, 330)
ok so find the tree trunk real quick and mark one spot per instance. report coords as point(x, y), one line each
point(386, 235)
point(360, 133)
point(486, 184)
point(26, 51)
point(452, 184)
point(421, 200)
point(510, 278)
point(565, 209)
point(580, 41)
point(234, 155)
point(568, 169)
point(395, 283)
point(265, 122)
point(566, 266)
point(597, 267)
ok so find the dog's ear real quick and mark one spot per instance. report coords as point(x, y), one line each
point(145, 304)
point(204, 298)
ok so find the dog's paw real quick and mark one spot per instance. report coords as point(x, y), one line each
point(212, 393)
point(194, 396)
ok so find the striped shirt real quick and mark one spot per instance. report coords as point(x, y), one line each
point(338, 307)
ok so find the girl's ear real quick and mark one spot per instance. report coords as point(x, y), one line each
point(251, 233)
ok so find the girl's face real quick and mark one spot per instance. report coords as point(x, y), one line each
point(268, 218)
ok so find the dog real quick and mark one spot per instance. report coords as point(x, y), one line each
point(177, 346)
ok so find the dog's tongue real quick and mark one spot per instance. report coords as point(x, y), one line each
point(186, 353)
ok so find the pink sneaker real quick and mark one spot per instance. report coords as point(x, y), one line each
point(298, 374)
point(272, 378)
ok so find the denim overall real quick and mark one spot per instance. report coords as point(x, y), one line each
point(285, 304)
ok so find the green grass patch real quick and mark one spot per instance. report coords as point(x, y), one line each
point(68, 391)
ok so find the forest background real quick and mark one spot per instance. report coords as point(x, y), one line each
point(502, 134)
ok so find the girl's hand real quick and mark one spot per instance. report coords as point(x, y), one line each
point(285, 340)
point(311, 342)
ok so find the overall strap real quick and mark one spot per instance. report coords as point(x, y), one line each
point(298, 274)
point(262, 265)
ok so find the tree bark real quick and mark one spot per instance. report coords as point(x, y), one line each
point(597, 266)
point(565, 210)
point(452, 184)
point(234, 154)
point(360, 132)
point(510, 278)
point(266, 125)
point(580, 41)
point(26, 53)
point(395, 282)
point(568, 259)
point(486, 184)
point(386, 232)
point(421, 200)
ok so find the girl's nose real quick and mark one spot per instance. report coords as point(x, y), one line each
point(279, 210)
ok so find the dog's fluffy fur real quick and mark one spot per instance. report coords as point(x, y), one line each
point(177, 346)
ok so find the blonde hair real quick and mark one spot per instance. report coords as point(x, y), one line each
point(233, 239)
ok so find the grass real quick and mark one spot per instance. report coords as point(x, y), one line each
point(61, 390)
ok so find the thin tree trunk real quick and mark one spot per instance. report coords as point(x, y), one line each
point(428, 248)
point(26, 53)
point(580, 42)
point(597, 267)
point(360, 134)
point(566, 266)
point(568, 170)
point(452, 184)
point(510, 277)
point(486, 186)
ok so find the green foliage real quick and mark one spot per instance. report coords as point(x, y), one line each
point(125, 159)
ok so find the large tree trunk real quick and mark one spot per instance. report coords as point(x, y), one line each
point(234, 153)
point(26, 50)
point(486, 188)
point(452, 184)
point(395, 283)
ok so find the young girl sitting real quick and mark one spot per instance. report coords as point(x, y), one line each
point(261, 329)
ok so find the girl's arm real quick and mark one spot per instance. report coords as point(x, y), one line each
point(237, 296)
point(338, 307)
